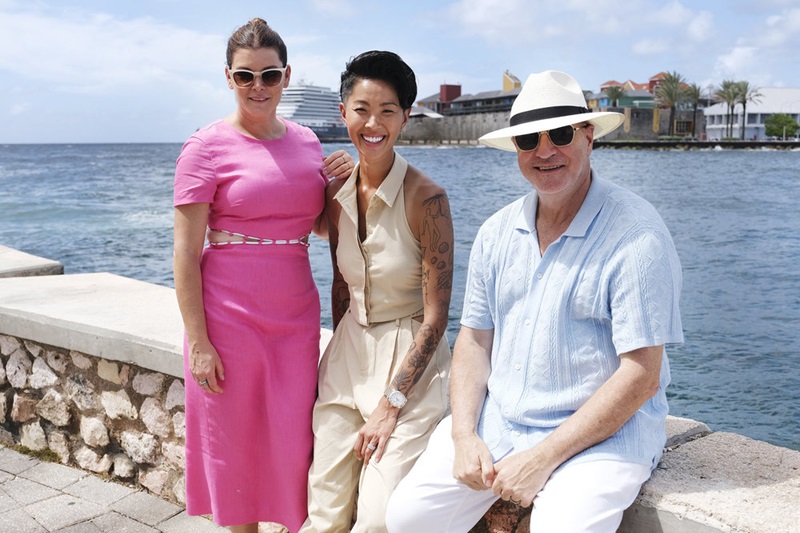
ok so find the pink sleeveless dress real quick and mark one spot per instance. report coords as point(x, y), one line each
point(248, 450)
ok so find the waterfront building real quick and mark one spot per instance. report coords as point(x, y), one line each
point(314, 107)
point(773, 100)
point(450, 101)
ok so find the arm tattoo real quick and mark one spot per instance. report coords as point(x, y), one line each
point(418, 357)
point(437, 213)
point(437, 280)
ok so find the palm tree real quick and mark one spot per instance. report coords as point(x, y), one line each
point(693, 94)
point(669, 93)
point(747, 94)
point(728, 93)
point(614, 94)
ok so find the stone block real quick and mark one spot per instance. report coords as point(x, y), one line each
point(9, 345)
point(175, 453)
point(176, 395)
point(148, 383)
point(57, 360)
point(154, 479)
point(118, 405)
point(23, 408)
point(124, 467)
point(42, 376)
point(58, 442)
point(80, 360)
point(141, 447)
point(89, 459)
point(94, 432)
point(108, 371)
point(179, 424)
point(18, 368)
point(53, 407)
point(156, 418)
point(81, 392)
point(33, 348)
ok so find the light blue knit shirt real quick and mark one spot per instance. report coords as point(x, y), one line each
point(611, 284)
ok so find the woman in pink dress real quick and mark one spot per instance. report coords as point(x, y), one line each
point(253, 184)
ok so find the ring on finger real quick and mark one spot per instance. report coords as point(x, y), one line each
point(371, 447)
point(515, 502)
point(203, 383)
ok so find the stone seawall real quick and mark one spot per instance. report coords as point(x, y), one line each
point(91, 372)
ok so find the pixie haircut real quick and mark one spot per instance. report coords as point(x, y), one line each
point(254, 35)
point(384, 66)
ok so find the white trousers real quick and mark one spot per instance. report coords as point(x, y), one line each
point(582, 497)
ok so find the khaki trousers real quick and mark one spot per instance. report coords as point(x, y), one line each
point(354, 372)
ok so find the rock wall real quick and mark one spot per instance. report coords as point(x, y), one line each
point(107, 417)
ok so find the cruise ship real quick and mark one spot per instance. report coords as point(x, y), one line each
point(316, 108)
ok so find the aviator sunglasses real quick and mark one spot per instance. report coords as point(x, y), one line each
point(270, 76)
point(559, 137)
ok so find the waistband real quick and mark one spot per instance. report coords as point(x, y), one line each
point(231, 238)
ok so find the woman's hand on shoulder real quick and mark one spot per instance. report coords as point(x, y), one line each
point(338, 165)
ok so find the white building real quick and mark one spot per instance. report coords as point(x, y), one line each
point(773, 100)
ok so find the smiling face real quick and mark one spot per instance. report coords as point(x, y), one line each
point(257, 100)
point(559, 171)
point(374, 118)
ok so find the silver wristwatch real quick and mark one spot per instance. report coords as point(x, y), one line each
point(396, 398)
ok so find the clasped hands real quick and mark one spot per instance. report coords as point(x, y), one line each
point(517, 478)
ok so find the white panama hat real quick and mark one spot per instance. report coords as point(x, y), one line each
point(549, 100)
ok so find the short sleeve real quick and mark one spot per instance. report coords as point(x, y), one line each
point(195, 174)
point(645, 292)
point(477, 309)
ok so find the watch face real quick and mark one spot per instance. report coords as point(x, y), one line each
point(397, 399)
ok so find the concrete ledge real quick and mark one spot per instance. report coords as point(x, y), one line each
point(721, 482)
point(14, 263)
point(102, 314)
point(706, 482)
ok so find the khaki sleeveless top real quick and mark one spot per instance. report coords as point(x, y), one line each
point(383, 273)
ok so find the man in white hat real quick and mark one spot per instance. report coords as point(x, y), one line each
point(559, 371)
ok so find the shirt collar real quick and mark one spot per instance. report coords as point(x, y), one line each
point(387, 191)
point(595, 197)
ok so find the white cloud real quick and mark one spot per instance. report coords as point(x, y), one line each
point(700, 27)
point(19, 109)
point(736, 63)
point(647, 47)
point(96, 53)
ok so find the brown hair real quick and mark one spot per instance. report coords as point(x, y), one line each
point(255, 34)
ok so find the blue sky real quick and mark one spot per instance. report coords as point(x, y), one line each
point(152, 70)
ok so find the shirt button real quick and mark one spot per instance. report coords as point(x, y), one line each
point(539, 275)
point(517, 433)
point(528, 322)
point(517, 366)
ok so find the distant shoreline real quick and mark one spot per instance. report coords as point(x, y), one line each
point(647, 145)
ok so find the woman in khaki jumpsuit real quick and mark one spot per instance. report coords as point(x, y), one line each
point(384, 377)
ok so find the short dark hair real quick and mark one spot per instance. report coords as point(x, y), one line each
point(384, 66)
point(253, 35)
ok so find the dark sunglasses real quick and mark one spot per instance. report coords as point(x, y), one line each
point(270, 76)
point(559, 137)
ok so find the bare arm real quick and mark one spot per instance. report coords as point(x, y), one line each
point(189, 236)
point(340, 294)
point(469, 377)
point(522, 475)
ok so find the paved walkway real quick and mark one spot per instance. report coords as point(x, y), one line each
point(41, 497)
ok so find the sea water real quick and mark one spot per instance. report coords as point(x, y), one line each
point(733, 214)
